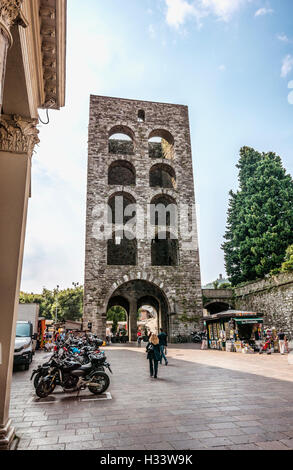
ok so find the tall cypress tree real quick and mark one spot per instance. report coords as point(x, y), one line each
point(260, 217)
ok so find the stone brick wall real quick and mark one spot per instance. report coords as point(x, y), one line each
point(273, 297)
point(178, 287)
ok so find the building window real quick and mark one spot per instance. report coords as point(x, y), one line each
point(121, 208)
point(164, 211)
point(121, 173)
point(162, 176)
point(165, 250)
point(161, 144)
point(141, 116)
point(121, 141)
point(122, 250)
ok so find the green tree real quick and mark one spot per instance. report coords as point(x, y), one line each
point(288, 263)
point(216, 284)
point(260, 217)
point(69, 303)
point(116, 314)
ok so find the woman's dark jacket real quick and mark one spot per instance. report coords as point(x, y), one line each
point(153, 351)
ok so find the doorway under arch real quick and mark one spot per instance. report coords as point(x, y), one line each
point(136, 294)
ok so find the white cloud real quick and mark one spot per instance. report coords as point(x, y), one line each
point(223, 9)
point(282, 37)
point(178, 11)
point(222, 68)
point(287, 66)
point(264, 11)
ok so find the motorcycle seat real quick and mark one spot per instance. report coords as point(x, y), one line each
point(86, 367)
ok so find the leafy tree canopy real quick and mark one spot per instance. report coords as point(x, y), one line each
point(288, 263)
point(260, 217)
point(116, 314)
point(69, 303)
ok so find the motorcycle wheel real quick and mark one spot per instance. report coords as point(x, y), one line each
point(44, 388)
point(103, 382)
point(37, 379)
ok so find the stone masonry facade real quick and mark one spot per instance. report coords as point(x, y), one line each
point(175, 289)
point(273, 297)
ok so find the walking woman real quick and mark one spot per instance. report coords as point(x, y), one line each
point(153, 355)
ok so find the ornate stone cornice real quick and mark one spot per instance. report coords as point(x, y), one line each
point(18, 134)
point(48, 16)
point(9, 12)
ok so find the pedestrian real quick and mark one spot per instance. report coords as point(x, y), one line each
point(139, 338)
point(153, 355)
point(163, 345)
point(204, 343)
point(287, 343)
point(281, 336)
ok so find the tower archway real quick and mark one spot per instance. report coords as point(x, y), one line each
point(137, 294)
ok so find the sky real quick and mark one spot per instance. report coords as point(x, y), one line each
point(229, 61)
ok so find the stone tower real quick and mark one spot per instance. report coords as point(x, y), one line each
point(141, 236)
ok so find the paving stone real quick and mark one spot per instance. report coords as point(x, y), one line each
point(189, 429)
point(245, 417)
point(246, 424)
point(272, 445)
point(189, 444)
point(105, 435)
point(24, 444)
point(228, 432)
point(44, 441)
point(244, 447)
point(87, 445)
point(80, 438)
point(27, 435)
point(52, 447)
point(288, 443)
point(201, 434)
point(159, 446)
point(216, 441)
point(222, 425)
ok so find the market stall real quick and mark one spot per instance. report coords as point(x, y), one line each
point(235, 331)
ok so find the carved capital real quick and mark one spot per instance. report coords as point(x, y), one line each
point(9, 12)
point(18, 135)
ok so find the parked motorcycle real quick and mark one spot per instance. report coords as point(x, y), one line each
point(75, 349)
point(196, 337)
point(72, 376)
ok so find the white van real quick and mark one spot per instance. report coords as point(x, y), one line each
point(24, 344)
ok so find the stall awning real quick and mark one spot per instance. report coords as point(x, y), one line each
point(248, 320)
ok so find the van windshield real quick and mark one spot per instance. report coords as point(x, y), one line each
point(23, 330)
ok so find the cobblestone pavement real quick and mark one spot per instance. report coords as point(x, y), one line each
point(201, 400)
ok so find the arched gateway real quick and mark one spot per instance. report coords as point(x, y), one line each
point(141, 236)
point(133, 295)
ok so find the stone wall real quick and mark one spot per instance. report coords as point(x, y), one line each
point(272, 297)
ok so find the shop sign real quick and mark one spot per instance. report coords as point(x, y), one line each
point(249, 320)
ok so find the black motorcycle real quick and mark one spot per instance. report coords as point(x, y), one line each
point(73, 377)
point(197, 337)
point(43, 370)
